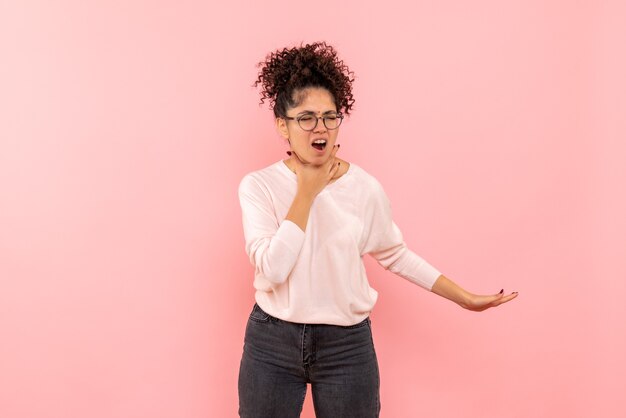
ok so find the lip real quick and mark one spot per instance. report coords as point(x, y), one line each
point(319, 137)
point(317, 151)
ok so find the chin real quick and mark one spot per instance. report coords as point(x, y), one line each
point(319, 159)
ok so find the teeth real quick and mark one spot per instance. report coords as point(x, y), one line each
point(319, 141)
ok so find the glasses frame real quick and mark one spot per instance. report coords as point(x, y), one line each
point(317, 119)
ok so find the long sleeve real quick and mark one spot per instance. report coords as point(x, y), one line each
point(384, 242)
point(272, 246)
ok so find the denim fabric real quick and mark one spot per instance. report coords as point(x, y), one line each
point(280, 358)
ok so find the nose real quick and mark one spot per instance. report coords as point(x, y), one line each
point(320, 126)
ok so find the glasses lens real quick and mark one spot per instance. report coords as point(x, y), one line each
point(307, 122)
point(332, 121)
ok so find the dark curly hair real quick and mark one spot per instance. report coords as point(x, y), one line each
point(288, 71)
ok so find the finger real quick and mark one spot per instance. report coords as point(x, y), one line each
point(508, 298)
point(494, 298)
point(334, 169)
point(504, 299)
point(331, 162)
point(331, 158)
point(497, 296)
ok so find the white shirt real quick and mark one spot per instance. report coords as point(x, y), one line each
point(318, 275)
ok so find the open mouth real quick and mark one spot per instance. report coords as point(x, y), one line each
point(319, 144)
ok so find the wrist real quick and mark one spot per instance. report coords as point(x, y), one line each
point(305, 196)
point(466, 299)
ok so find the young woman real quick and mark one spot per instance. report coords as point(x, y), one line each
point(308, 220)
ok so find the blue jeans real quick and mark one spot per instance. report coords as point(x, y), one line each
point(280, 358)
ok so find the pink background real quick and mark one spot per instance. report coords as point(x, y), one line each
point(497, 129)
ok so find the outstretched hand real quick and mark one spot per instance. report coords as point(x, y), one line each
point(479, 303)
point(448, 289)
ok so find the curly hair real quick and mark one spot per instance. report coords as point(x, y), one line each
point(290, 70)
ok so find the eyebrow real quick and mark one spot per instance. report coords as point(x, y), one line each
point(310, 111)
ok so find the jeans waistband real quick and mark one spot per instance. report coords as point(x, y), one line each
point(259, 314)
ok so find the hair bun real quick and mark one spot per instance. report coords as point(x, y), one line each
point(290, 70)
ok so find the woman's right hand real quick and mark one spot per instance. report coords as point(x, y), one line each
point(313, 178)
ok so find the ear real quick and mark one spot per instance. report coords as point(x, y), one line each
point(281, 127)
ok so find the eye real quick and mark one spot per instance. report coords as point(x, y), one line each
point(306, 118)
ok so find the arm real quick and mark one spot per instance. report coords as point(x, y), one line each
point(387, 246)
point(446, 288)
point(384, 242)
point(273, 246)
point(396, 257)
point(300, 209)
point(311, 180)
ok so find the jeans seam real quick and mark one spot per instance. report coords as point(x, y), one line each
point(303, 396)
point(313, 346)
point(302, 343)
point(369, 325)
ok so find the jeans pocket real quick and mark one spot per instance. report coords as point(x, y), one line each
point(258, 314)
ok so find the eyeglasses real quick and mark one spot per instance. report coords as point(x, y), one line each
point(308, 121)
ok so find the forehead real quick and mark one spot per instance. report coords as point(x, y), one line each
point(313, 99)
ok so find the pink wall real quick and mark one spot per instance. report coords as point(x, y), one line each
point(497, 128)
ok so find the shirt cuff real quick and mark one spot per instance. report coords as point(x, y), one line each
point(431, 274)
point(415, 269)
point(291, 235)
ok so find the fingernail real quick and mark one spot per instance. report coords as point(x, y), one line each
point(502, 291)
point(338, 145)
point(288, 152)
point(338, 164)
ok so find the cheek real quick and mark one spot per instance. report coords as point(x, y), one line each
point(300, 140)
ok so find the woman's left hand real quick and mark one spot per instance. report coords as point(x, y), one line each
point(479, 303)
point(448, 289)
